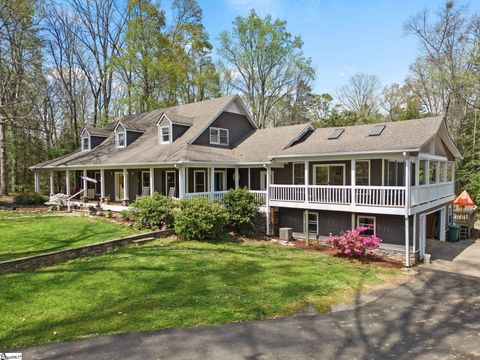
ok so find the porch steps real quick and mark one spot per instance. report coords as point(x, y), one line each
point(142, 241)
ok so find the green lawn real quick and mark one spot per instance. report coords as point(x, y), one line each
point(23, 234)
point(170, 283)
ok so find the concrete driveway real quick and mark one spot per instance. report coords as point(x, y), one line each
point(462, 257)
point(436, 315)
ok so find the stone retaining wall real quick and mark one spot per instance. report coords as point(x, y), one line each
point(56, 257)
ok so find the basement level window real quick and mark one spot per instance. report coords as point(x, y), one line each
point(336, 134)
point(377, 130)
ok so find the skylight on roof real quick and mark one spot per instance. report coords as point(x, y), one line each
point(377, 130)
point(336, 134)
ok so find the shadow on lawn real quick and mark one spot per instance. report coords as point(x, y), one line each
point(432, 316)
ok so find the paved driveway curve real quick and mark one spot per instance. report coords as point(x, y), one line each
point(436, 315)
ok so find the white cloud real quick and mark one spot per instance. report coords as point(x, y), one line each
point(346, 70)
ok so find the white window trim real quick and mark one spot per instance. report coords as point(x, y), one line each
point(369, 171)
point(368, 217)
point(328, 173)
point(224, 177)
point(219, 142)
point(195, 180)
point(89, 143)
point(124, 140)
point(263, 179)
point(317, 220)
point(293, 172)
point(160, 134)
point(174, 180)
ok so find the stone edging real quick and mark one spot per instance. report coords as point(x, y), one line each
point(57, 257)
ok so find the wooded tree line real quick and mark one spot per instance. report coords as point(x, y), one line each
point(64, 65)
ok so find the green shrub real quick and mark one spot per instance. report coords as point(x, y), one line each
point(241, 209)
point(31, 198)
point(200, 219)
point(153, 212)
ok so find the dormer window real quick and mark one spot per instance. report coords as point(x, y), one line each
point(165, 135)
point(86, 143)
point(120, 140)
point(219, 136)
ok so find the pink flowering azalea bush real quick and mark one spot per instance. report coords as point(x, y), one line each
point(354, 242)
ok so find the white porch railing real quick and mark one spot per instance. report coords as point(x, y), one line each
point(423, 194)
point(211, 196)
point(295, 193)
point(393, 196)
point(326, 194)
point(260, 196)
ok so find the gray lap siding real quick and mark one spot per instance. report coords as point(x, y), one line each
point(390, 228)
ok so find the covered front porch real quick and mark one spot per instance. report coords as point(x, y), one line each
point(120, 186)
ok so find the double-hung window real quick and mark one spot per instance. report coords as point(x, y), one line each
point(367, 222)
point(219, 136)
point(85, 143)
point(298, 173)
point(165, 135)
point(120, 140)
point(362, 172)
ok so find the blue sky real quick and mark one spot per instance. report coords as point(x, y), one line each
point(341, 37)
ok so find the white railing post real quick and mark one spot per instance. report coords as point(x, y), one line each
point(307, 180)
point(85, 192)
point(353, 181)
point(67, 182)
point(125, 184)
point(102, 183)
point(52, 190)
point(152, 181)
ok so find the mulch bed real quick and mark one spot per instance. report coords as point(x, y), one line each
point(317, 246)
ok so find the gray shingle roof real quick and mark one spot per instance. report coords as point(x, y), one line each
point(397, 136)
point(98, 132)
point(261, 145)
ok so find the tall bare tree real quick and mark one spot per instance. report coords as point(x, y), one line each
point(361, 96)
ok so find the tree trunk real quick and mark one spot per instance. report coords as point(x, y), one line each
point(3, 159)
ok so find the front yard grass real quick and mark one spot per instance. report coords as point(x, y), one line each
point(170, 283)
point(30, 233)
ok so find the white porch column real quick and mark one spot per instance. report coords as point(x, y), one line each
point(417, 172)
point(407, 243)
point(443, 218)
point(307, 232)
point(52, 190)
point(67, 182)
point(353, 179)
point(237, 178)
point(212, 179)
point(84, 182)
point(307, 179)
point(269, 174)
point(36, 183)
point(407, 183)
point(248, 180)
point(102, 183)
point(152, 181)
point(181, 182)
point(125, 184)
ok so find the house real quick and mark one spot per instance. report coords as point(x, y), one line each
point(396, 178)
